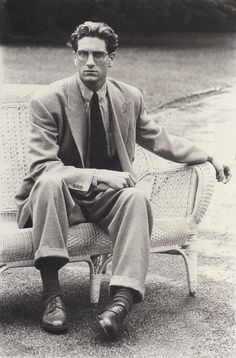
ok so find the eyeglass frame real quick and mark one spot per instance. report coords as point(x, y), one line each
point(92, 52)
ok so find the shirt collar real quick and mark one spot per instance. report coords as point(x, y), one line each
point(87, 93)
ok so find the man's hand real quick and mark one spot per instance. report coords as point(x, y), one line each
point(115, 179)
point(223, 172)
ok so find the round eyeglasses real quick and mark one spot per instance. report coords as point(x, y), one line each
point(98, 56)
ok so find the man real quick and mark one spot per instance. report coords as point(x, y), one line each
point(81, 149)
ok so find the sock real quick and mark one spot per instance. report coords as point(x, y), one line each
point(50, 279)
point(124, 295)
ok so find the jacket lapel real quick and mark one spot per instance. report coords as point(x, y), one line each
point(120, 108)
point(77, 118)
point(121, 121)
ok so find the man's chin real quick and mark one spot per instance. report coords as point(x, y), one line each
point(91, 77)
point(92, 82)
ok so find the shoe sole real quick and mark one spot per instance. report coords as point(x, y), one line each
point(51, 329)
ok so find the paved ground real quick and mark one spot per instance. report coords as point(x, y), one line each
point(169, 323)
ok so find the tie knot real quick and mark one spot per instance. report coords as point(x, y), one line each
point(95, 96)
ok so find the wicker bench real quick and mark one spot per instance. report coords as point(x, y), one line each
point(180, 195)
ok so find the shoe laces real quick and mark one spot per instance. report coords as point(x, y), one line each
point(54, 302)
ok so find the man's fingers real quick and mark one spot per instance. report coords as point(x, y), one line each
point(130, 179)
point(116, 179)
point(125, 184)
point(130, 183)
point(134, 180)
point(223, 172)
point(228, 174)
point(220, 175)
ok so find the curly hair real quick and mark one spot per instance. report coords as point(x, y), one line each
point(94, 29)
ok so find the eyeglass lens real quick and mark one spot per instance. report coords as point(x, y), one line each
point(98, 56)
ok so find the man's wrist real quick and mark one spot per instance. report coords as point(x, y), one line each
point(210, 158)
point(101, 176)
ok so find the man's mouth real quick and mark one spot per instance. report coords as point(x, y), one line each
point(90, 72)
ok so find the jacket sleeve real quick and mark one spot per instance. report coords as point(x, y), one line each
point(44, 149)
point(171, 147)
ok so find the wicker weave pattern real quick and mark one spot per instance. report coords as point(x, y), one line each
point(171, 192)
point(170, 231)
point(142, 162)
point(207, 181)
point(16, 245)
point(13, 141)
point(83, 239)
point(87, 238)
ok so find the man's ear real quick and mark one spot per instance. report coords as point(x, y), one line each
point(111, 59)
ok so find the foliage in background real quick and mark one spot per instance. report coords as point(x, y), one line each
point(53, 20)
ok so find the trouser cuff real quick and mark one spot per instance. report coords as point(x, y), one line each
point(60, 254)
point(124, 281)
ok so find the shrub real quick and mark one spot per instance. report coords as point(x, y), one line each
point(54, 20)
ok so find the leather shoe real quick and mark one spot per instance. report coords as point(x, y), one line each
point(110, 321)
point(54, 318)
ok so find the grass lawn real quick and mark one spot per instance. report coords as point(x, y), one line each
point(177, 66)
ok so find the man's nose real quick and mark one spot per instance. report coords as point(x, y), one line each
point(90, 60)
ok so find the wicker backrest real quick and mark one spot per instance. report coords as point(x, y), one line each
point(14, 123)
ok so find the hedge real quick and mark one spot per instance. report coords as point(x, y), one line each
point(54, 20)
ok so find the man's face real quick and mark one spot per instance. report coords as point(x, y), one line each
point(92, 71)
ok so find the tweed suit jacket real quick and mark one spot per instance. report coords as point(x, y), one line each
point(59, 137)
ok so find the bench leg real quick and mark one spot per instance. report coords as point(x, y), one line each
point(190, 259)
point(95, 287)
point(97, 266)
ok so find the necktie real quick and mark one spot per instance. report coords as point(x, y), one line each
point(98, 143)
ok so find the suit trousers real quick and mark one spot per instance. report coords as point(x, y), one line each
point(125, 214)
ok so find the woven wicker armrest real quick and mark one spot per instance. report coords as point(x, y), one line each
point(180, 197)
point(182, 190)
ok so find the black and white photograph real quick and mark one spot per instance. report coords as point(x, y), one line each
point(117, 178)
